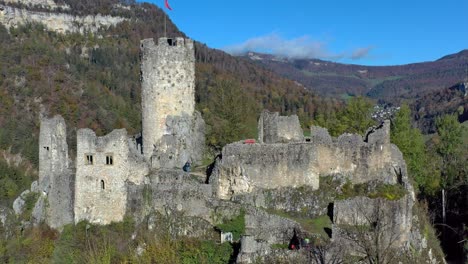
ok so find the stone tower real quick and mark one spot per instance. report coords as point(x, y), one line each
point(168, 86)
point(55, 177)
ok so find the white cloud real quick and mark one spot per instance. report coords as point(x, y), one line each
point(303, 47)
point(361, 53)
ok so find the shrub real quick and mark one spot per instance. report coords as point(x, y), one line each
point(236, 225)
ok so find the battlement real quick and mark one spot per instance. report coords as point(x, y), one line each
point(177, 49)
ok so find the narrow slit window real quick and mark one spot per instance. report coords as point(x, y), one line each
point(109, 160)
point(89, 159)
point(103, 185)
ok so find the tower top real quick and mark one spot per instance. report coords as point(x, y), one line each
point(167, 42)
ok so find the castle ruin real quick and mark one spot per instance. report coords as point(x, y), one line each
point(117, 175)
point(173, 134)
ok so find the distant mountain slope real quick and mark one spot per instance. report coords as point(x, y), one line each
point(93, 80)
point(388, 83)
point(437, 103)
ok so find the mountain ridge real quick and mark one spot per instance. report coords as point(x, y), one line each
point(387, 83)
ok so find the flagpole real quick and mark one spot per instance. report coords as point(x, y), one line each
point(166, 3)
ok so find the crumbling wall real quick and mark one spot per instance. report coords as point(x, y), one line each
point(183, 142)
point(100, 188)
point(55, 176)
point(168, 87)
point(273, 128)
point(244, 168)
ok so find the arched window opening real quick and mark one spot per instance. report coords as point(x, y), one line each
point(103, 185)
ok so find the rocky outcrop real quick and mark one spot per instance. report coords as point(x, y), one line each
point(57, 22)
point(183, 141)
point(48, 4)
point(394, 217)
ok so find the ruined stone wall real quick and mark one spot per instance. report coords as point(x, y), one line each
point(184, 141)
point(273, 128)
point(100, 189)
point(57, 22)
point(55, 176)
point(168, 86)
point(244, 168)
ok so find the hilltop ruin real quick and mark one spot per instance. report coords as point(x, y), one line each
point(277, 183)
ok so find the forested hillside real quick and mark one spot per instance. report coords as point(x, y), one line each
point(93, 80)
point(387, 83)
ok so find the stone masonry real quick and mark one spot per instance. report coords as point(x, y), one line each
point(55, 175)
point(173, 133)
point(104, 165)
point(168, 86)
point(273, 128)
point(244, 168)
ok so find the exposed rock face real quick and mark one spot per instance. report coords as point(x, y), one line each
point(464, 88)
point(103, 167)
point(168, 89)
point(184, 141)
point(258, 251)
point(270, 228)
point(395, 217)
point(56, 178)
point(245, 168)
point(4, 212)
point(273, 128)
point(18, 204)
point(58, 22)
point(41, 3)
point(172, 190)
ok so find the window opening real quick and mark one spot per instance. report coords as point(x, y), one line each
point(109, 160)
point(46, 148)
point(103, 185)
point(89, 159)
point(172, 42)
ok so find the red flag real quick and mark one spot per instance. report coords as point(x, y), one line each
point(166, 3)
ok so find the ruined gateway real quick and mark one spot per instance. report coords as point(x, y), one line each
point(118, 175)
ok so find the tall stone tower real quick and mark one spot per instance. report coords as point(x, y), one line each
point(55, 176)
point(168, 87)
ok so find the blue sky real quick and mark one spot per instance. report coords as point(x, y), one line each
point(379, 32)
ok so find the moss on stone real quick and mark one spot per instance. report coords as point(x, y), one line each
point(29, 203)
